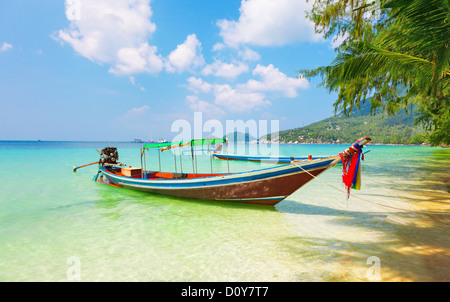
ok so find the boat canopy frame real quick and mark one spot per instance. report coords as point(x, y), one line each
point(192, 142)
point(172, 145)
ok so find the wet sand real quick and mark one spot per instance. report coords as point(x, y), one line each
point(409, 237)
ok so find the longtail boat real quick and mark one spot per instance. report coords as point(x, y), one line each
point(266, 186)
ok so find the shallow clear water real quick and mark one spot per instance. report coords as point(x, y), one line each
point(50, 216)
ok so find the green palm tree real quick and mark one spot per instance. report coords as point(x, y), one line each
point(405, 62)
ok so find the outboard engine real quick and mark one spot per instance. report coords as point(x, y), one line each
point(109, 155)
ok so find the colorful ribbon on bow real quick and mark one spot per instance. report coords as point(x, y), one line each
point(351, 174)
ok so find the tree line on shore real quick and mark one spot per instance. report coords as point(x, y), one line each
point(393, 54)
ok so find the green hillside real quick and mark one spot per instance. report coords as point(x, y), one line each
point(396, 129)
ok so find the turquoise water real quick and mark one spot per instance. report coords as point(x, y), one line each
point(50, 216)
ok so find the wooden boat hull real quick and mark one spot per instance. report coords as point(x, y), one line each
point(266, 186)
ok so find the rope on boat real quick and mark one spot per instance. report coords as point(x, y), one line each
point(366, 200)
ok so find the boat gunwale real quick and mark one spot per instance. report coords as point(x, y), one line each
point(265, 158)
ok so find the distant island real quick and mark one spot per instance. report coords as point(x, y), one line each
point(396, 129)
point(239, 137)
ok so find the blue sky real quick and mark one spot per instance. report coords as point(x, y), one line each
point(125, 69)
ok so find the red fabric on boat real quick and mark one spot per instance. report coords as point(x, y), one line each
point(349, 175)
point(350, 164)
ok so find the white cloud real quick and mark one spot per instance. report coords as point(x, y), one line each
point(109, 31)
point(268, 23)
point(117, 33)
point(252, 94)
point(238, 100)
point(274, 80)
point(137, 60)
point(225, 70)
point(186, 56)
point(226, 96)
point(6, 47)
point(197, 85)
point(249, 55)
point(133, 81)
point(199, 105)
point(136, 112)
point(218, 47)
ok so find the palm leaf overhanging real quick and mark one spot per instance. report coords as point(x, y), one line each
point(404, 61)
